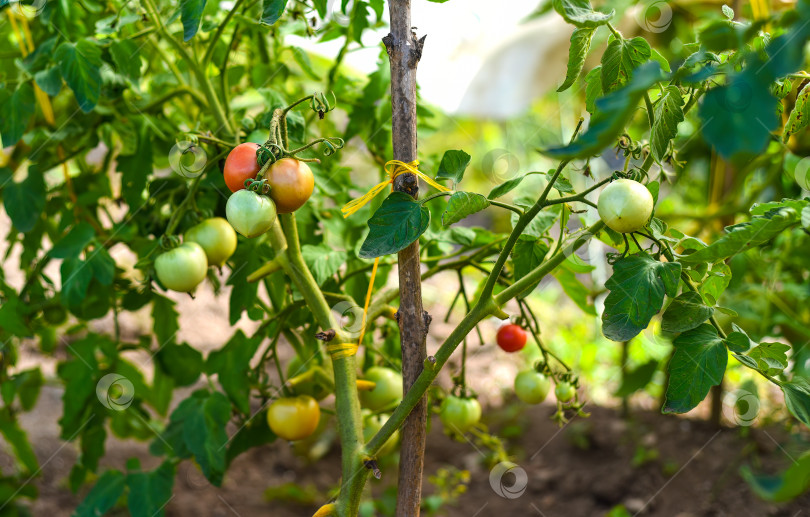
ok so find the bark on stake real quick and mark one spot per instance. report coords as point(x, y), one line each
point(404, 51)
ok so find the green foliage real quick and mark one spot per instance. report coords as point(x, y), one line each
point(698, 364)
point(397, 223)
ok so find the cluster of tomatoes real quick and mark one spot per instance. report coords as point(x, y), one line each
point(252, 214)
point(213, 241)
point(297, 417)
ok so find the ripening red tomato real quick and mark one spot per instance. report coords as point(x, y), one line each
point(511, 337)
point(240, 165)
point(292, 184)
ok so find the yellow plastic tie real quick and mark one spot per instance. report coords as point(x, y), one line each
point(394, 168)
point(340, 350)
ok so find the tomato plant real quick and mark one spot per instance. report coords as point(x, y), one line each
point(124, 126)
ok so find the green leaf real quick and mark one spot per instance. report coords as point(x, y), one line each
point(771, 358)
point(461, 205)
point(637, 379)
point(150, 492)
point(191, 12)
point(79, 377)
point(11, 318)
point(580, 13)
point(698, 363)
point(182, 362)
point(668, 114)
point(575, 290)
point(661, 60)
point(738, 341)
point(125, 55)
point(800, 116)
point(453, 165)
point(302, 58)
point(76, 278)
point(25, 201)
point(231, 363)
point(686, 312)
point(254, 433)
point(272, 10)
point(797, 398)
point(783, 487)
point(394, 226)
point(18, 439)
point(509, 185)
point(715, 283)
point(744, 236)
point(164, 318)
point(727, 113)
point(612, 113)
point(323, 261)
point(621, 57)
point(580, 44)
point(136, 168)
point(205, 436)
point(593, 88)
point(49, 80)
point(80, 64)
point(806, 218)
point(103, 496)
point(637, 289)
point(15, 113)
point(527, 254)
point(74, 242)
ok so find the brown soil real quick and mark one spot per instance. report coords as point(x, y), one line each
point(651, 464)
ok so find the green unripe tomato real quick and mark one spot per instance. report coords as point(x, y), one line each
point(216, 237)
point(459, 414)
point(249, 213)
point(564, 391)
point(532, 387)
point(386, 393)
point(54, 314)
point(625, 206)
point(372, 425)
point(183, 268)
